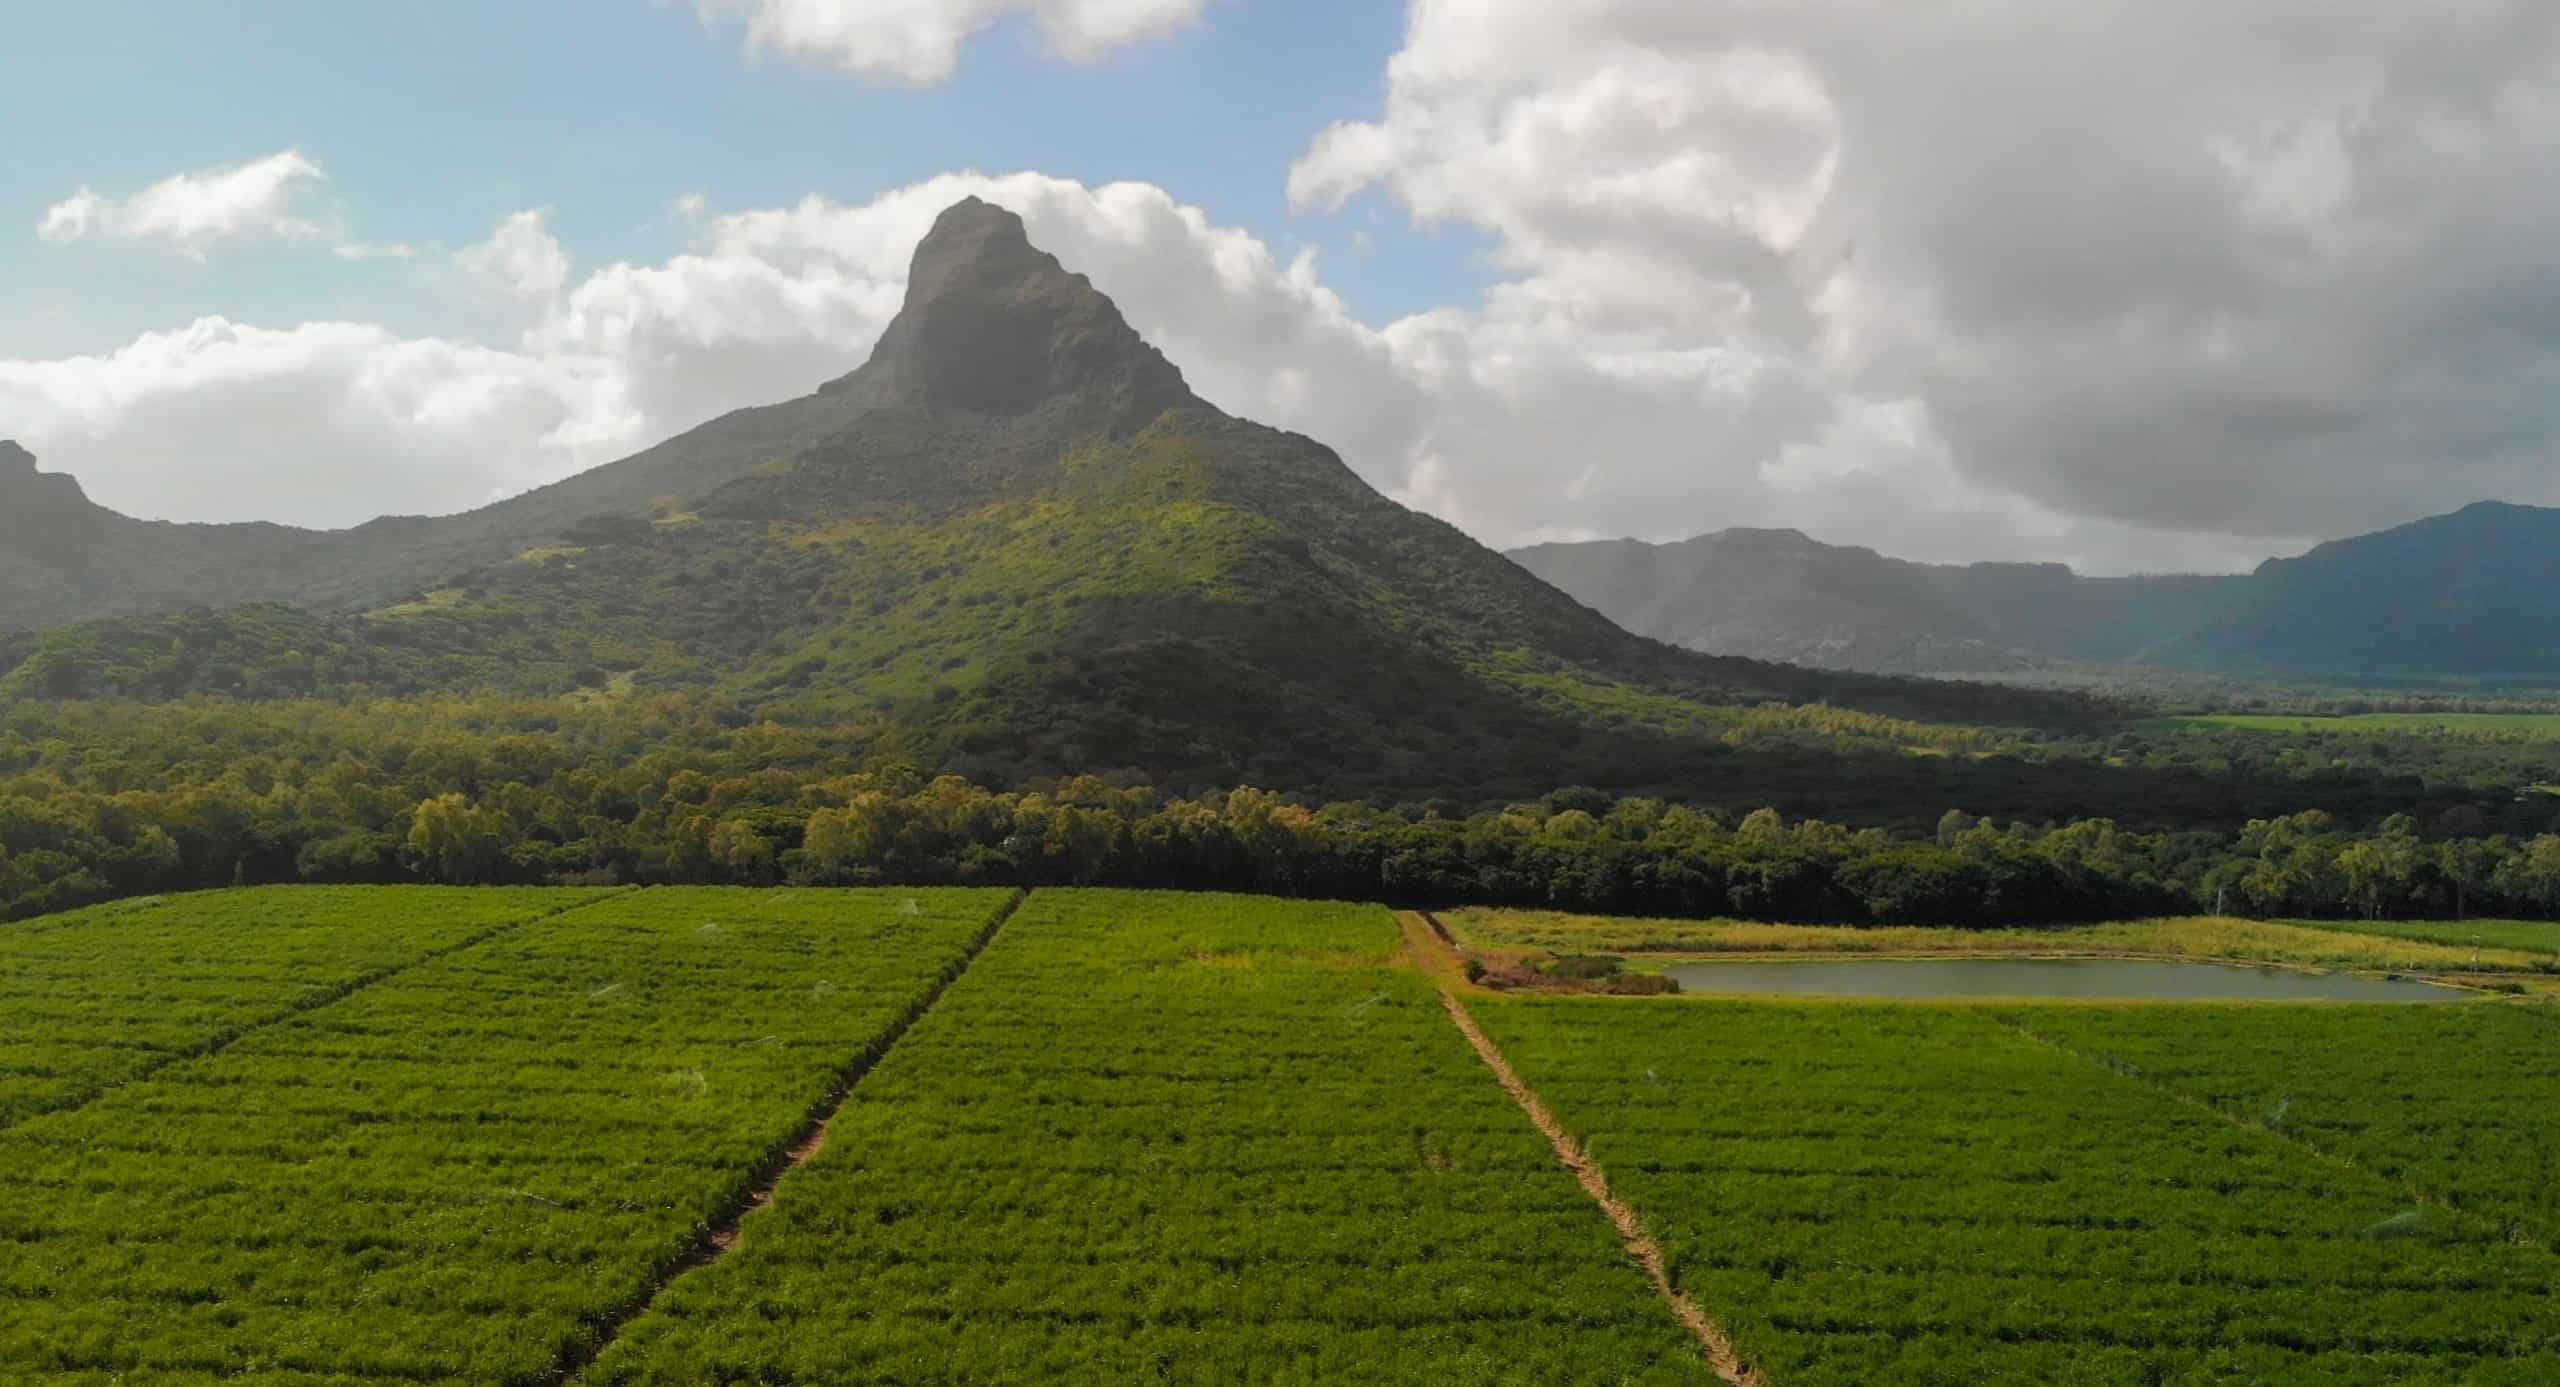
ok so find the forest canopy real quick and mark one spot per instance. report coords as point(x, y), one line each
point(104, 799)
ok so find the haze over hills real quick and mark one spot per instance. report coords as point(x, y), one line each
point(2474, 595)
point(1013, 540)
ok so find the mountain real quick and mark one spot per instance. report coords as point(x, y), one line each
point(1013, 542)
point(1778, 595)
point(2474, 594)
point(2471, 597)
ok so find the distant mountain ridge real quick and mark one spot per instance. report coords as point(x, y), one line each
point(1014, 542)
point(2470, 595)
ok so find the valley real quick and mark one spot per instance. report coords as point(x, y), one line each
point(1222, 693)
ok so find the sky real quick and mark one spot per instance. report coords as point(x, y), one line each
point(2132, 286)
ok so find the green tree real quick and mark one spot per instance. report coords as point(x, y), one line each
point(453, 841)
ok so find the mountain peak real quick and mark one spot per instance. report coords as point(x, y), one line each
point(24, 485)
point(993, 325)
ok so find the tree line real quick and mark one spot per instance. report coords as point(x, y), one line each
point(511, 810)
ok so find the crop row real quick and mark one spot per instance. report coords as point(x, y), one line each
point(1918, 1194)
point(1158, 1137)
point(463, 1172)
point(95, 997)
point(2462, 1103)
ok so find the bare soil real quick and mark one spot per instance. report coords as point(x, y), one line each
point(1712, 1343)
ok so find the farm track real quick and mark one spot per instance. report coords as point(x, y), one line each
point(216, 1044)
point(2333, 1159)
point(1423, 935)
point(723, 1235)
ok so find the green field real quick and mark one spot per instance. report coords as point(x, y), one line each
point(2533, 726)
point(2486, 937)
point(1175, 1137)
point(331, 1138)
point(96, 997)
point(2458, 1108)
point(1920, 1194)
point(458, 1173)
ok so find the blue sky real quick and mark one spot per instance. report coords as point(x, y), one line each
point(433, 119)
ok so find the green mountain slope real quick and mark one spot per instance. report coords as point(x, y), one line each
point(2474, 594)
point(1014, 542)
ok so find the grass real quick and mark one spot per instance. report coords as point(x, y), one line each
point(316, 1135)
point(1916, 1194)
point(1112, 1155)
point(2456, 1106)
point(2204, 938)
point(96, 997)
point(2533, 726)
point(456, 1173)
point(2501, 937)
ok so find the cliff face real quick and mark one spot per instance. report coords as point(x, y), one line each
point(45, 518)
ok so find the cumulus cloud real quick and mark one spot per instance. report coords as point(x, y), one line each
point(919, 41)
point(2092, 283)
point(2103, 281)
point(521, 257)
point(325, 423)
point(192, 212)
point(332, 423)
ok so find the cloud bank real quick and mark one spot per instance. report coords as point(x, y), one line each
point(2095, 283)
point(2273, 271)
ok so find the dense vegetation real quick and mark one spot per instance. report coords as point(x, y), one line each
point(462, 1172)
point(1923, 1194)
point(99, 800)
point(1157, 1137)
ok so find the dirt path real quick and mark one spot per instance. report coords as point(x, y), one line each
point(1719, 1350)
point(223, 1040)
point(1428, 946)
point(724, 1234)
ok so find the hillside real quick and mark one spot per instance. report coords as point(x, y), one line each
point(1778, 595)
point(2471, 597)
point(2475, 594)
point(1013, 542)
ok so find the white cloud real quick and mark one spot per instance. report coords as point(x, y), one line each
point(2105, 281)
point(1521, 418)
point(332, 423)
point(2139, 294)
point(521, 257)
point(191, 212)
point(919, 41)
point(325, 423)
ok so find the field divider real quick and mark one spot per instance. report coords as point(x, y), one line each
point(1721, 1356)
point(2333, 1159)
point(721, 1235)
point(224, 1039)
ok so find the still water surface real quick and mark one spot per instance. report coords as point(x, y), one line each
point(2112, 979)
